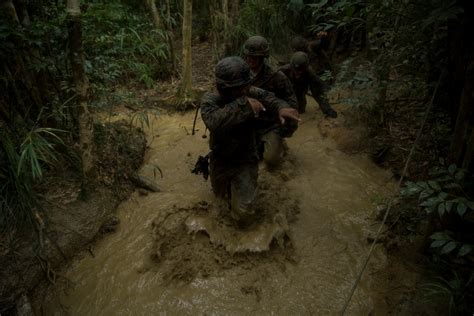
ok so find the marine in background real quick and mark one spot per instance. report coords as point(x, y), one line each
point(303, 78)
point(256, 50)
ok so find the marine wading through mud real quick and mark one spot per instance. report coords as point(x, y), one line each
point(178, 251)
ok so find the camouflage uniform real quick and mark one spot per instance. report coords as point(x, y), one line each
point(233, 141)
point(277, 83)
point(270, 130)
point(318, 59)
point(307, 80)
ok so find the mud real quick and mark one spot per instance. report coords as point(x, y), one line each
point(203, 240)
point(173, 253)
point(72, 220)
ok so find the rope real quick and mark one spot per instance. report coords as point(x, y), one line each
point(389, 207)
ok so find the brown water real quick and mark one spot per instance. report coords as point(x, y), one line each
point(337, 194)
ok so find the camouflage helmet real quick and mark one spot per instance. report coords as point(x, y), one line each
point(299, 44)
point(299, 60)
point(232, 72)
point(256, 46)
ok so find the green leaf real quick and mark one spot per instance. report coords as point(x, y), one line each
point(441, 209)
point(450, 246)
point(426, 193)
point(449, 206)
point(442, 196)
point(441, 161)
point(422, 184)
point(470, 204)
point(452, 186)
point(430, 209)
point(459, 175)
point(431, 202)
point(434, 185)
point(440, 236)
point(438, 243)
point(411, 188)
point(452, 168)
point(464, 250)
point(461, 208)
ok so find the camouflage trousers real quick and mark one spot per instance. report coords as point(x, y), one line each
point(301, 98)
point(236, 184)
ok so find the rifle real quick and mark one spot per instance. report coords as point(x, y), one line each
point(202, 166)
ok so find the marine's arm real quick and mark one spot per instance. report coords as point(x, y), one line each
point(221, 118)
point(273, 104)
point(268, 99)
point(285, 89)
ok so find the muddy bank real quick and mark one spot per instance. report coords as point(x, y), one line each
point(71, 221)
point(309, 271)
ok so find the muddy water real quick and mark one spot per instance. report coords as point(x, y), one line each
point(337, 193)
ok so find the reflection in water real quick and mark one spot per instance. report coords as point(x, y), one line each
point(336, 193)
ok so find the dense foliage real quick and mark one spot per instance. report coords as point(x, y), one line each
point(37, 102)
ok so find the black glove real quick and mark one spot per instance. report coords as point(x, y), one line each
point(202, 166)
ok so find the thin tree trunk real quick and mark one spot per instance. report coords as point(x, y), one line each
point(213, 12)
point(10, 9)
point(19, 71)
point(170, 36)
point(154, 13)
point(469, 152)
point(22, 10)
point(384, 74)
point(186, 80)
point(225, 14)
point(464, 117)
point(231, 45)
point(234, 12)
point(82, 115)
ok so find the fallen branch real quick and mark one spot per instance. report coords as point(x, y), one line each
point(145, 183)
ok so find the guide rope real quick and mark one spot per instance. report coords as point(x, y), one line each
point(389, 207)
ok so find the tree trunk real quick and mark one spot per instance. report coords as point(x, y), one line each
point(81, 113)
point(170, 36)
point(467, 160)
point(9, 7)
point(214, 16)
point(234, 12)
point(225, 14)
point(20, 72)
point(384, 72)
point(458, 149)
point(22, 10)
point(186, 80)
point(231, 45)
point(154, 13)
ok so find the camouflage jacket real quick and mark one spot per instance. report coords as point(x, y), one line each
point(310, 80)
point(232, 123)
point(277, 83)
point(318, 59)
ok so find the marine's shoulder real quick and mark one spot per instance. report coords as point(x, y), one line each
point(280, 74)
point(211, 97)
point(285, 68)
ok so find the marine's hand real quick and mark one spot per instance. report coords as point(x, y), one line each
point(321, 34)
point(256, 106)
point(288, 113)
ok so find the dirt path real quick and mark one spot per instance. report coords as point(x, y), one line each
point(335, 195)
